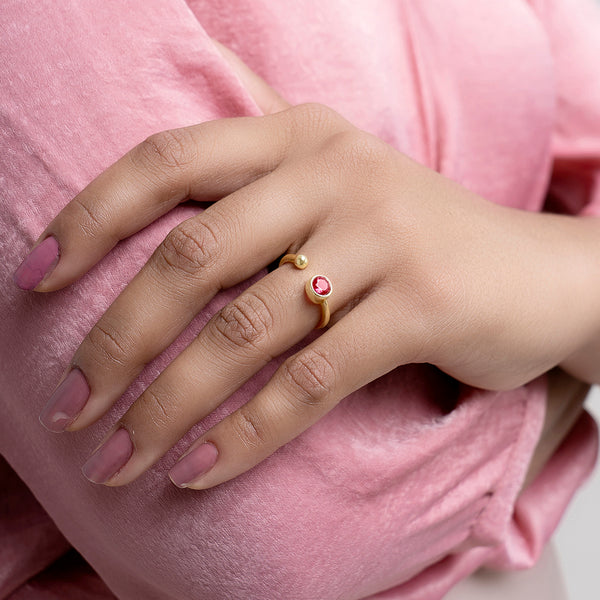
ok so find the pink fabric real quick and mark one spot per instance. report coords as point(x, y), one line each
point(412, 482)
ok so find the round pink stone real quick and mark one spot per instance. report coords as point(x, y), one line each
point(321, 285)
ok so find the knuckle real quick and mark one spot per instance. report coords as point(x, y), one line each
point(358, 152)
point(189, 248)
point(173, 149)
point(435, 304)
point(88, 218)
point(108, 345)
point(354, 163)
point(311, 377)
point(251, 429)
point(245, 322)
point(314, 117)
point(157, 406)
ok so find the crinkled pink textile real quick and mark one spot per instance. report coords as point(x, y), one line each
point(409, 484)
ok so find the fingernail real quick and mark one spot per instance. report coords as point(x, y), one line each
point(110, 458)
point(66, 402)
point(197, 462)
point(37, 264)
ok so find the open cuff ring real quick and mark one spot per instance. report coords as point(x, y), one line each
point(317, 289)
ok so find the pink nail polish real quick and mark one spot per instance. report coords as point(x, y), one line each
point(197, 462)
point(66, 402)
point(37, 264)
point(109, 458)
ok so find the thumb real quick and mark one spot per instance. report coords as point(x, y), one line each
point(267, 99)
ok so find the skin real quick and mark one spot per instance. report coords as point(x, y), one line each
point(491, 295)
point(564, 405)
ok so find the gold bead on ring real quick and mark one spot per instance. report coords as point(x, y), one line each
point(317, 289)
point(300, 261)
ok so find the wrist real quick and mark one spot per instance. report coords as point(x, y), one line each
point(571, 263)
point(532, 301)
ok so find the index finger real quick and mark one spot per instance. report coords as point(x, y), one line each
point(205, 161)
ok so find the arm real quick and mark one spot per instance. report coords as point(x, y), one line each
point(564, 406)
point(575, 185)
point(584, 361)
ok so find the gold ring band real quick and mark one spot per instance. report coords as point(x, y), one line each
point(317, 289)
point(300, 261)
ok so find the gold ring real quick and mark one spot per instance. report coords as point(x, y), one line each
point(300, 261)
point(317, 289)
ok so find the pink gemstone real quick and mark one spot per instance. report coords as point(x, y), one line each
point(321, 285)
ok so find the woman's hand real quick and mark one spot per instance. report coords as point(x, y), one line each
point(422, 270)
